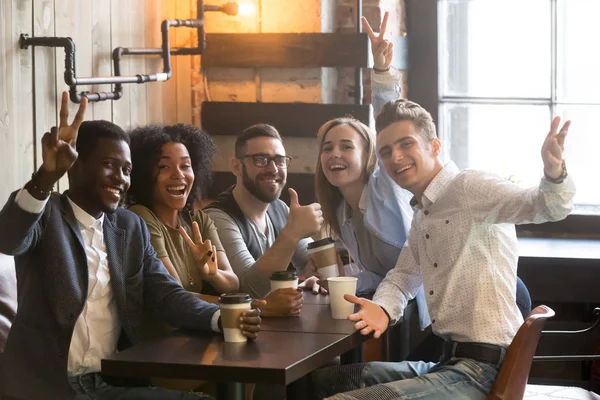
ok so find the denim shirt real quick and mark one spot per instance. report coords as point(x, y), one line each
point(386, 210)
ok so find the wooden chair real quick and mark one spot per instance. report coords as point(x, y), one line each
point(512, 377)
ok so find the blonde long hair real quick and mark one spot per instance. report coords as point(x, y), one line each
point(328, 195)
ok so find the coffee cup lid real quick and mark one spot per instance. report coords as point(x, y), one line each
point(319, 243)
point(284, 276)
point(235, 298)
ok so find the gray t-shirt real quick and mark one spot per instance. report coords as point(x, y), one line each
point(252, 280)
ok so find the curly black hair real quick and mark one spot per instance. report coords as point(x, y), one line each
point(146, 145)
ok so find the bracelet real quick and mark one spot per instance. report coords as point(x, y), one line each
point(562, 176)
point(34, 185)
point(381, 71)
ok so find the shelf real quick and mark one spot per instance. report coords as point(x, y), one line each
point(295, 50)
point(290, 119)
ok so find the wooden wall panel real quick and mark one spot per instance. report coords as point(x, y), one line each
point(16, 97)
point(183, 73)
point(101, 48)
point(135, 94)
point(44, 80)
point(32, 80)
point(121, 36)
point(161, 97)
point(80, 30)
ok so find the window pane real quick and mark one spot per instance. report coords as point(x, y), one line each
point(581, 151)
point(495, 48)
point(504, 139)
point(578, 59)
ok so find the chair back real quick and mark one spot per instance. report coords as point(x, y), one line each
point(512, 378)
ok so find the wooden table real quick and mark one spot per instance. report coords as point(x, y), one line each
point(314, 318)
point(286, 350)
point(560, 270)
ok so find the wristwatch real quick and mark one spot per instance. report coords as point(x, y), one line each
point(562, 176)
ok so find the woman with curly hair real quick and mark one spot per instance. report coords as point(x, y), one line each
point(172, 166)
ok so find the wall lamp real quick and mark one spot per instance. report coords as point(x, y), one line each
point(165, 51)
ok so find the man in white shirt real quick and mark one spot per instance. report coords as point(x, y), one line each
point(86, 271)
point(463, 248)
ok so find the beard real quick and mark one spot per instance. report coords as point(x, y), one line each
point(254, 188)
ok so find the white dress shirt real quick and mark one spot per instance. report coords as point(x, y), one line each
point(463, 248)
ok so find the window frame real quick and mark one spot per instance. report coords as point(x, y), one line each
point(423, 81)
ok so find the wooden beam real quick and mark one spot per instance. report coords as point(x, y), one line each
point(290, 119)
point(298, 50)
point(302, 183)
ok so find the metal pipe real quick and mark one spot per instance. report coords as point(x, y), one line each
point(201, 31)
point(358, 77)
point(70, 75)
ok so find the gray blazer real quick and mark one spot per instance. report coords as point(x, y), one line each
point(52, 281)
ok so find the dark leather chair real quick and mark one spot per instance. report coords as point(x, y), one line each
point(8, 296)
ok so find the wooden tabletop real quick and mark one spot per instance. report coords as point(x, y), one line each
point(275, 357)
point(311, 298)
point(313, 318)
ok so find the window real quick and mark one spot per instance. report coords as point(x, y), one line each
point(505, 69)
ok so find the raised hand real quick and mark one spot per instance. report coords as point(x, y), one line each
point(59, 145)
point(370, 317)
point(553, 147)
point(206, 262)
point(303, 221)
point(383, 50)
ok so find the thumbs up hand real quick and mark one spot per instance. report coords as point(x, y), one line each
point(303, 221)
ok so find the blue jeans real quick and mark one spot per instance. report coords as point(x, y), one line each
point(93, 387)
point(457, 378)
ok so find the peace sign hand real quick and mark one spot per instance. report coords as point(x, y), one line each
point(59, 145)
point(553, 147)
point(204, 252)
point(383, 50)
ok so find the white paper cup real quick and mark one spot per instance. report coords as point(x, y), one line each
point(232, 306)
point(284, 279)
point(330, 271)
point(338, 287)
point(284, 284)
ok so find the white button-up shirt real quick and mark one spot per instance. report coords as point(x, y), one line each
point(463, 248)
point(98, 327)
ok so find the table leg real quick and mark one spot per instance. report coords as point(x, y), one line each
point(230, 391)
point(353, 356)
point(297, 390)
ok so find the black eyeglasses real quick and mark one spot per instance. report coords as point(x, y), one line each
point(262, 160)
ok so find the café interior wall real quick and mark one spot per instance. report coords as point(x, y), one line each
point(31, 80)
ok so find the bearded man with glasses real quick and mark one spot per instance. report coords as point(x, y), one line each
point(260, 233)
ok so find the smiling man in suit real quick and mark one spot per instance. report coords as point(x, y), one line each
point(86, 271)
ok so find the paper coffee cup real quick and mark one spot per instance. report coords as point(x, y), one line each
point(338, 287)
point(232, 306)
point(284, 279)
point(324, 257)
